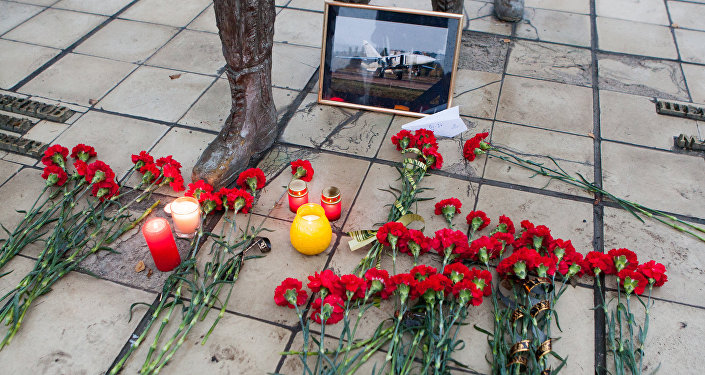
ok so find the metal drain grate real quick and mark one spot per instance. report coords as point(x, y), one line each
point(23, 146)
point(35, 109)
point(690, 143)
point(14, 124)
point(665, 107)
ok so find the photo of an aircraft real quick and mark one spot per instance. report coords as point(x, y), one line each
point(397, 62)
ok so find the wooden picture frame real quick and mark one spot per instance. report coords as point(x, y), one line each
point(391, 60)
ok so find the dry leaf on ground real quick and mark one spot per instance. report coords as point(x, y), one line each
point(139, 267)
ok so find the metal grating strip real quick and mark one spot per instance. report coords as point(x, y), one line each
point(665, 107)
point(34, 108)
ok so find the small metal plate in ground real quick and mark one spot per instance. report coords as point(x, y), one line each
point(14, 124)
point(22, 146)
point(34, 108)
point(669, 108)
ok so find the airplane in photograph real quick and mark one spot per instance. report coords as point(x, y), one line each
point(398, 62)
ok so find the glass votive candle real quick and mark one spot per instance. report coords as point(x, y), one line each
point(162, 246)
point(330, 200)
point(298, 194)
point(185, 212)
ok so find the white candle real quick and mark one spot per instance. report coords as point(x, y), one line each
point(186, 215)
point(311, 217)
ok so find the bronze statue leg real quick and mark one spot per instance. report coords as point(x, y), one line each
point(246, 29)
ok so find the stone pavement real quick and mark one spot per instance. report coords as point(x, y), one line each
point(575, 80)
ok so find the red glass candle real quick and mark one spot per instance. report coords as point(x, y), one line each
point(298, 194)
point(330, 200)
point(160, 241)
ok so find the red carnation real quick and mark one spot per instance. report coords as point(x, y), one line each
point(632, 281)
point(81, 167)
point(378, 282)
point(506, 238)
point(477, 220)
point(482, 280)
point(98, 171)
point(290, 294)
point(414, 243)
point(237, 200)
point(545, 266)
point(654, 272)
point(519, 264)
point(168, 160)
point(330, 310)
point(485, 249)
point(210, 202)
point(448, 208)
point(327, 282)
point(83, 152)
point(571, 264)
point(150, 172)
point(450, 243)
point(597, 262)
point(403, 140)
point(526, 224)
point(405, 285)
point(433, 158)
point(475, 146)
point(456, 272)
point(505, 225)
point(55, 154)
point(561, 248)
point(535, 237)
point(302, 169)
point(466, 292)
point(142, 159)
point(432, 286)
point(422, 271)
point(105, 189)
point(252, 178)
point(54, 175)
point(623, 259)
point(424, 138)
point(196, 188)
point(389, 233)
point(353, 286)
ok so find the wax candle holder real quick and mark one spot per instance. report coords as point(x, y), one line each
point(298, 194)
point(310, 232)
point(185, 212)
point(331, 202)
point(162, 246)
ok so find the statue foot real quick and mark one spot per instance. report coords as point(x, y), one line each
point(509, 10)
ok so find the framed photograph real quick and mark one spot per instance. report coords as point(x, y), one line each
point(388, 59)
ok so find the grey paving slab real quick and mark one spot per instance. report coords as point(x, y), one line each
point(151, 93)
point(409, 4)
point(39, 2)
point(212, 109)
point(20, 159)
point(546, 104)
point(552, 26)
point(362, 136)
point(575, 6)
point(681, 254)
point(104, 7)
point(45, 131)
point(695, 77)
point(295, 26)
point(23, 189)
point(651, 11)
point(55, 28)
point(690, 45)
point(640, 76)
point(644, 126)
point(76, 339)
point(13, 14)
point(635, 38)
point(489, 24)
point(573, 153)
point(686, 15)
point(78, 79)
point(101, 131)
point(292, 66)
point(313, 123)
point(476, 92)
point(127, 40)
point(7, 169)
point(482, 52)
point(552, 62)
point(205, 22)
point(176, 13)
point(21, 59)
point(191, 51)
point(662, 185)
point(316, 5)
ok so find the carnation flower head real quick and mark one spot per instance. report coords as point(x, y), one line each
point(196, 188)
point(403, 140)
point(405, 286)
point(484, 249)
point(505, 225)
point(329, 310)
point(98, 171)
point(81, 169)
point(596, 262)
point(505, 238)
point(415, 243)
point(141, 159)
point(302, 169)
point(253, 178)
point(327, 283)
point(623, 259)
point(518, 264)
point(536, 237)
point(448, 208)
point(450, 243)
point(378, 282)
point(654, 272)
point(466, 292)
point(55, 175)
point(632, 281)
point(477, 220)
point(560, 248)
point(475, 146)
point(83, 152)
point(433, 287)
point(210, 202)
point(571, 264)
point(545, 266)
point(424, 138)
point(482, 279)
point(168, 160)
point(172, 175)
point(105, 189)
point(237, 200)
point(432, 158)
point(353, 287)
point(290, 293)
point(456, 272)
point(57, 155)
point(150, 172)
point(422, 271)
point(389, 233)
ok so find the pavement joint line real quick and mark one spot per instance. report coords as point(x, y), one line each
point(550, 80)
point(70, 48)
point(600, 348)
point(678, 49)
point(198, 98)
point(38, 13)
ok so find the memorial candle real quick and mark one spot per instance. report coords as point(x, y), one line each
point(330, 200)
point(162, 246)
point(185, 212)
point(298, 194)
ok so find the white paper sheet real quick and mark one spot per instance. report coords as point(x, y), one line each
point(446, 123)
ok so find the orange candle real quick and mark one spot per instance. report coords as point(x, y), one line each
point(185, 212)
point(298, 194)
point(162, 246)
